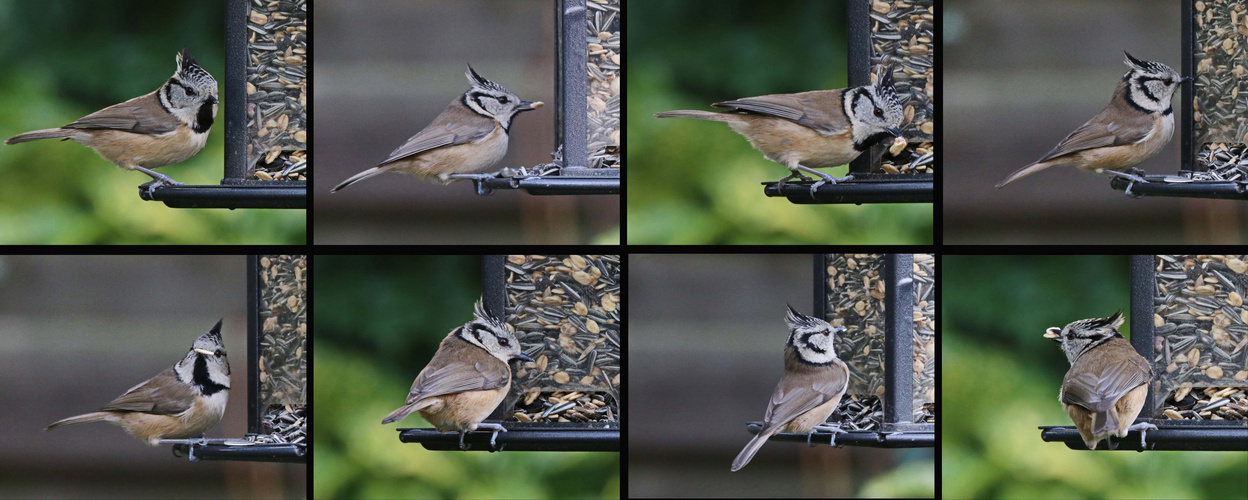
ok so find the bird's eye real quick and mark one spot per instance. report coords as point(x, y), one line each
point(1070, 336)
point(501, 99)
point(878, 113)
point(220, 352)
point(190, 91)
point(503, 341)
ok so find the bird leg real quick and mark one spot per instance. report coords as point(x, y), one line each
point(834, 429)
point(161, 179)
point(1143, 427)
point(793, 174)
point(1131, 178)
point(826, 179)
point(497, 429)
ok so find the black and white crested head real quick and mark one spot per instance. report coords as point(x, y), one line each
point(206, 365)
point(1080, 336)
point(1149, 85)
point(490, 99)
point(491, 334)
point(190, 94)
point(874, 111)
point(811, 338)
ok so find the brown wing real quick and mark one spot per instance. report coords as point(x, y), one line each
point(1097, 385)
point(456, 125)
point(458, 376)
point(141, 115)
point(1112, 127)
point(805, 390)
point(819, 110)
point(163, 394)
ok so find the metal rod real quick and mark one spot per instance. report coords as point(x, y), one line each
point(235, 92)
point(899, 340)
point(1143, 283)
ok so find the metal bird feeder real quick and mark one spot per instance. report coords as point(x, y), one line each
point(882, 33)
point(1189, 319)
point(887, 304)
point(266, 161)
point(567, 312)
point(277, 360)
point(586, 159)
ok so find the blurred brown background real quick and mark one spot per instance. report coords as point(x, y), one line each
point(384, 70)
point(78, 331)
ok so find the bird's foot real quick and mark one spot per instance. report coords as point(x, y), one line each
point(793, 174)
point(827, 179)
point(497, 429)
point(462, 446)
point(161, 179)
point(1143, 427)
point(834, 429)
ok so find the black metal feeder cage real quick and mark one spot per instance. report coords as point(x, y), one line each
point(586, 159)
point(1213, 118)
point(1188, 319)
point(887, 304)
point(277, 361)
point(265, 101)
point(897, 34)
point(567, 312)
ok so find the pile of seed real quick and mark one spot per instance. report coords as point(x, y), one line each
point(566, 312)
point(1201, 324)
point(277, 55)
point(603, 17)
point(924, 331)
point(562, 406)
point(284, 328)
point(1220, 59)
point(1217, 403)
point(855, 296)
point(901, 35)
point(858, 413)
point(1222, 162)
point(285, 424)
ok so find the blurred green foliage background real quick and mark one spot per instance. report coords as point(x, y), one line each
point(379, 321)
point(63, 59)
point(698, 182)
point(1000, 381)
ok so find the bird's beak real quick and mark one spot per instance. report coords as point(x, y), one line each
point(895, 132)
point(213, 99)
point(529, 106)
point(1053, 333)
point(205, 353)
point(523, 355)
point(1185, 79)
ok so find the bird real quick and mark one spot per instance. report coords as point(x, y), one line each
point(466, 379)
point(162, 128)
point(809, 130)
point(181, 402)
point(1104, 390)
point(469, 136)
point(813, 383)
point(1135, 126)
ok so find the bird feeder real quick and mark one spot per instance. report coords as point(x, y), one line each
point(277, 361)
point(886, 302)
point(265, 114)
point(1213, 117)
point(567, 312)
point(588, 76)
point(884, 33)
point(1188, 318)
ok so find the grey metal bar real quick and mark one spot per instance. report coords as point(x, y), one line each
point(1143, 283)
point(899, 340)
point(235, 91)
point(572, 78)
